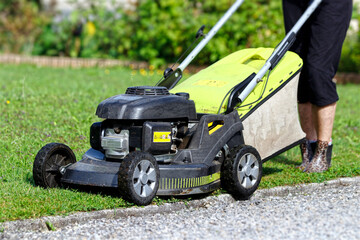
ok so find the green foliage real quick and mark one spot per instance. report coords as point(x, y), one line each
point(59, 39)
point(50, 226)
point(159, 31)
point(255, 24)
point(21, 22)
point(156, 31)
point(350, 57)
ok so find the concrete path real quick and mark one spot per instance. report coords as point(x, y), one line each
point(314, 211)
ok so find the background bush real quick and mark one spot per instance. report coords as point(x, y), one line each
point(158, 31)
point(350, 57)
point(21, 23)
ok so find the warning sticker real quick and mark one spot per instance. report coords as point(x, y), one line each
point(161, 137)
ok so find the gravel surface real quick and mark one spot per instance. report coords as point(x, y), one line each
point(330, 212)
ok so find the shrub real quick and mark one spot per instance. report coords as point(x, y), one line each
point(20, 24)
point(350, 56)
point(159, 31)
point(156, 32)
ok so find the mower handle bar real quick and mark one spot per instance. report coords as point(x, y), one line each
point(172, 77)
point(210, 34)
point(280, 50)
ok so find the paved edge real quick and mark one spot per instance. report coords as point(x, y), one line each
point(58, 222)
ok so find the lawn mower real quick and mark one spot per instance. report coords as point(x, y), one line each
point(214, 129)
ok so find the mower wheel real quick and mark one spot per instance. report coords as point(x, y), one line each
point(49, 164)
point(241, 172)
point(138, 179)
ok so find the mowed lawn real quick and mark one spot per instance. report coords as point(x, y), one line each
point(39, 105)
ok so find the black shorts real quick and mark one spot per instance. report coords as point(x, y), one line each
point(319, 44)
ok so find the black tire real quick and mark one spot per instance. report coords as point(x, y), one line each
point(138, 179)
point(47, 164)
point(241, 172)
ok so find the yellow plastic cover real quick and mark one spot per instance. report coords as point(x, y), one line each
point(208, 87)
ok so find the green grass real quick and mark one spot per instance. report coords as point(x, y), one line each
point(39, 105)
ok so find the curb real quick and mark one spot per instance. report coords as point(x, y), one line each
point(66, 62)
point(58, 222)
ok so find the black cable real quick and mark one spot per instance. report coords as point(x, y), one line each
point(224, 99)
point(267, 79)
point(182, 55)
point(262, 94)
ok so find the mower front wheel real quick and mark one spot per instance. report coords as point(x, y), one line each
point(138, 179)
point(49, 164)
point(242, 172)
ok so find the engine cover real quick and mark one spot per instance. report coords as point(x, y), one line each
point(140, 106)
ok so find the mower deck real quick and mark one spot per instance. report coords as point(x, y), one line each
point(175, 179)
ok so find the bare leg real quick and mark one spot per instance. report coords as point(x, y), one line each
point(317, 123)
point(306, 120)
point(307, 147)
point(323, 118)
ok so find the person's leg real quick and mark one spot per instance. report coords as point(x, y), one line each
point(306, 120)
point(328, 31)
point(323, 121)
point(307, 148)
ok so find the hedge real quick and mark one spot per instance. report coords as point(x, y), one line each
point(158, 31)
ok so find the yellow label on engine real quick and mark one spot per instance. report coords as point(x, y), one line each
point(161, 137)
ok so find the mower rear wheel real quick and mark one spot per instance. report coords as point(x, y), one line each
point(138, 179)
point(241, 172)
point(49, 164)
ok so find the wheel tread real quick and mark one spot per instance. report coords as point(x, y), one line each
point(125, 177)
point(40, 160)
point(229, 174)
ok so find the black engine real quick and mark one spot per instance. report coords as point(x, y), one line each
point(147, 103)
point(146, 118)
